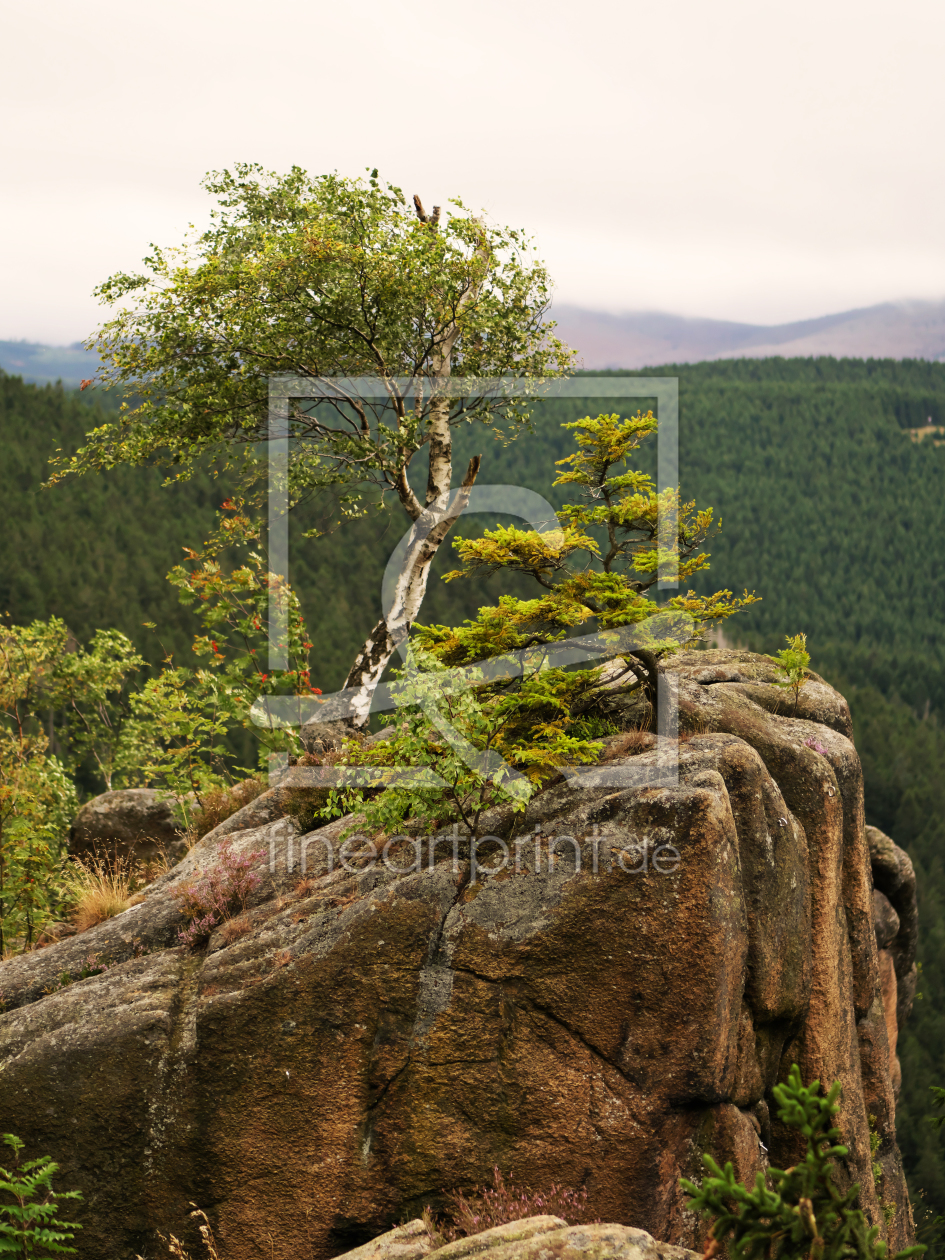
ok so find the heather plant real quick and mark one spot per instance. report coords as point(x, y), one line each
point(500, 1204)
point(212, 896)
point(799, 1213)
point(29, 1225)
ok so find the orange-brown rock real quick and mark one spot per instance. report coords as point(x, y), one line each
point(359, 1046)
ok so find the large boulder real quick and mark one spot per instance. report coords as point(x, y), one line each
point(534, 1238)
point(618, 998)
point(135, 823)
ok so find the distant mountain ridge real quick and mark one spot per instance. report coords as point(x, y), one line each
point(892, 330)
point(40, 365)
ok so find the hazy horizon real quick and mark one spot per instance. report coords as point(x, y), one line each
point(619, 313)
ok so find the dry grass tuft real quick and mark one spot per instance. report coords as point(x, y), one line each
point(221, 803)
point(233, 929)
point(304, 887)
point(176, 1247)
point(99, 888)
point(629, 744)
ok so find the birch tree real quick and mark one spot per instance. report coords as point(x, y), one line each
point(327, 279)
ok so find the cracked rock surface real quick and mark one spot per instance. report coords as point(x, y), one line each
point(617, 1000)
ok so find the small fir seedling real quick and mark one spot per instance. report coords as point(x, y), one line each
point(793, 662)
point(798, 1213)
point(29, 1226)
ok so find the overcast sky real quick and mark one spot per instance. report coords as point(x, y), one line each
point(740, 160)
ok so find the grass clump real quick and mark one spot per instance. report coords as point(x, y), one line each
point(98, 888)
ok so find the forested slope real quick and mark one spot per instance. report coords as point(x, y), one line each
point(831, 512)
point(93, 552)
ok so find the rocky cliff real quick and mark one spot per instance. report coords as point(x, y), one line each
point(620, 996)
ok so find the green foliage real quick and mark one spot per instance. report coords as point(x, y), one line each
point(95, 551)
point(457, 730)
point(626, 505)
point(793, 662)
point(62, 706)
point(37, 798)
point(641, 527)
point(194, 710)
point(319, 277)
point(799, 1212)
point(488, 743)
point(170, 732)
point(29, 1226)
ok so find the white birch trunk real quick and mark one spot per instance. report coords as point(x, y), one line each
point(428, 533)
point(431, 525)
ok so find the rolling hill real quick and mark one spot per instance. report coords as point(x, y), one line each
point(894, 330)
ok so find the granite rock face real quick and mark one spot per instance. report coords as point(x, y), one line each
point(896, 921)
point(617, 999)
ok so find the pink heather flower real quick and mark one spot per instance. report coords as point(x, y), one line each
point(208, 898)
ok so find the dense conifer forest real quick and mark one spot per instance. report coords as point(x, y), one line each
point(832, 509)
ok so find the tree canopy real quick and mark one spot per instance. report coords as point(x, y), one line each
point(642, 531)
point(327, 280)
